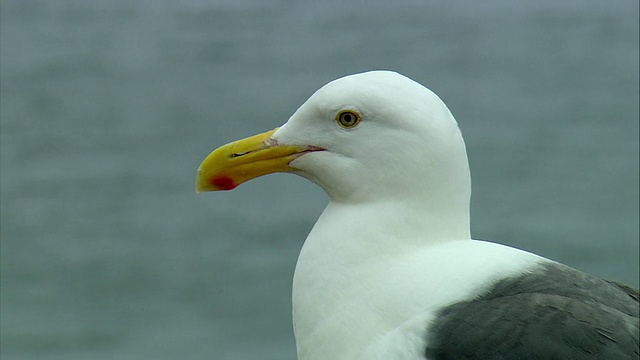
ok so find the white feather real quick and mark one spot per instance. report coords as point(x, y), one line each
point(393, 245)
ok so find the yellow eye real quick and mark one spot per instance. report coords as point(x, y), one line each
point(348, 119)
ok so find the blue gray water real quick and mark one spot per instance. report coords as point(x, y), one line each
point(108, 107)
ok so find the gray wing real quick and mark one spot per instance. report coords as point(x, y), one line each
point(554, 313)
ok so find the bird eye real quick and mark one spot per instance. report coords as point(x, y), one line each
point(348, 119)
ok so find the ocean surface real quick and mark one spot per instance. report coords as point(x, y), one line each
point(108, 107)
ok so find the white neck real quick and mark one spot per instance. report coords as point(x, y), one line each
point(362, 292)
point(347, 263)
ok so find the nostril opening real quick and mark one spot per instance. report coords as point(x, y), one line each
point(270, 142)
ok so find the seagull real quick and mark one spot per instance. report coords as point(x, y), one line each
point(389, 270)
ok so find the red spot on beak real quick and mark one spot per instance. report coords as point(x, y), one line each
point(222, 183)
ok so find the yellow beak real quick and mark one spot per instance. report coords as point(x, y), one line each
point(230, 165)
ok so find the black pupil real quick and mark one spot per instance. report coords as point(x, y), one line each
point(348, 118)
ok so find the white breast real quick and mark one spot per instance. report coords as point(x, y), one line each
point(361, 294)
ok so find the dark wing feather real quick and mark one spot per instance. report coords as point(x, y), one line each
point(554, 313)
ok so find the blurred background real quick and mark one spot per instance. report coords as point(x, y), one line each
point(108, 107)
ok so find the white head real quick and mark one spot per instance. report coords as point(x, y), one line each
point(404, 145)
point(407, 143)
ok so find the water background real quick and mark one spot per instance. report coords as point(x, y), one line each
point(108, 107)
